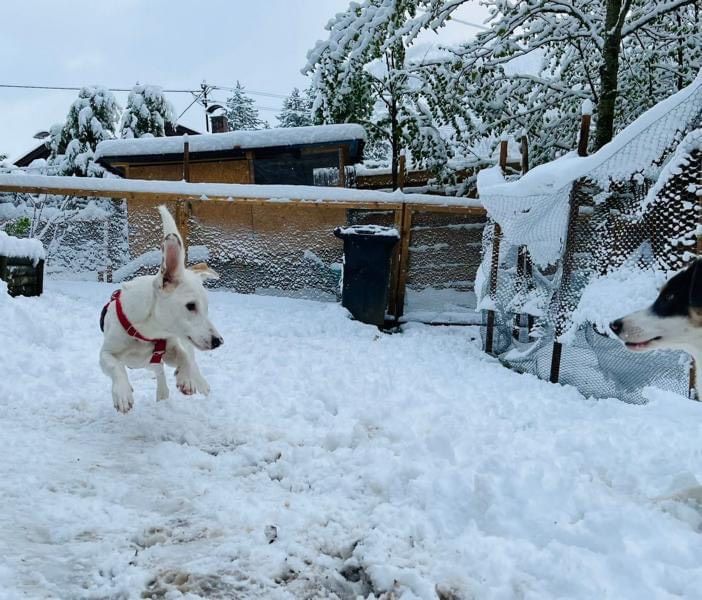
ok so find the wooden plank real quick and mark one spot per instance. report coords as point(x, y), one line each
point(444, 208)
point(252, 170)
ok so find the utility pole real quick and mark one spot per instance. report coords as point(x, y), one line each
point(203, 100)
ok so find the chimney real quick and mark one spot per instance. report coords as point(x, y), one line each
point(219, 123)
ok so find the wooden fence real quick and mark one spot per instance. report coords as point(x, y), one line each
point(440, 237)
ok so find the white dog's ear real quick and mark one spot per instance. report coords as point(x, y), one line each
point(204, 271)
point(172, 261)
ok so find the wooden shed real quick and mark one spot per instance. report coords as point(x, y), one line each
point(269, 156)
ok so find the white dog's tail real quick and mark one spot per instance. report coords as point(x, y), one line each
point(169, 224)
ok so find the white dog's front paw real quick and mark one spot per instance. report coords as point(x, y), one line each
point(185, 383)
point(122, 398)
point(190, 384)
point(202, 386)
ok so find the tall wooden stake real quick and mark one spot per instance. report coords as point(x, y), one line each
point(186, 159)
point(182, 219)
point(569, 250)
point(342, 166)
point(402, 170)
point(494, 264)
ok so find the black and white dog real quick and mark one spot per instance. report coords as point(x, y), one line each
point(672, 322)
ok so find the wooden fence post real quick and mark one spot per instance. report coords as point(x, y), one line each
point(403, 259)
point(182, 219)
point(342, 166)
point(402, 172)
point(698, 252)
point(186, 158)
point(524, 266)
point(570, 243)
point(250, 164)
point(494, 264)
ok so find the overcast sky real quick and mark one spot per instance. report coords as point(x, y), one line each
point(172, 43)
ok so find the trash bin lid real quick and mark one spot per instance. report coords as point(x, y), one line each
point(366, 230)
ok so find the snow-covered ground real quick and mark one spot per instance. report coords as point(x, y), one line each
point(331, 460)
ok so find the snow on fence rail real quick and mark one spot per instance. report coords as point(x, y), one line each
point(585, 239)
point(278, 239)
point(233, 192)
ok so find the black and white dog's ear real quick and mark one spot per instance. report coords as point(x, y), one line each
point(696, 286)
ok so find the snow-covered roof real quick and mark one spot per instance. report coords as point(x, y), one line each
point(245, 140)
point(13, 247)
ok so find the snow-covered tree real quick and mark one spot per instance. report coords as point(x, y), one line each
point(362, 71)
point(541, 58)
point(241, 111)
point(530, 71)
point(147, 113)
point(92, 118)
point(297, 110)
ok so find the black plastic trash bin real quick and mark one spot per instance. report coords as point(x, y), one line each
point(367, 253)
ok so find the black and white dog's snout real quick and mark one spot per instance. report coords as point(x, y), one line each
point(216, 341)
point(616, 326)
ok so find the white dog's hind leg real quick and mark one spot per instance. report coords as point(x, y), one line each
point(161, 384)
point(122, 396)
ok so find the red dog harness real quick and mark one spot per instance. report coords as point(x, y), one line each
point(159, 345)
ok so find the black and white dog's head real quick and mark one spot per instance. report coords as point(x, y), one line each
point(673, 321)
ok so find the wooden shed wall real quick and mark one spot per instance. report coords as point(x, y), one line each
point(219, 171)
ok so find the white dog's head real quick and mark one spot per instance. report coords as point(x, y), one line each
point(673, 321)
point(181, 302)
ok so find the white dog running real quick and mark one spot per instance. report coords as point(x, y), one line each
point(159, 318)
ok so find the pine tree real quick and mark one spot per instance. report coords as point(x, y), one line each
point(147, 113)
point(92, 118)
point(241, 112)
point(297, 110)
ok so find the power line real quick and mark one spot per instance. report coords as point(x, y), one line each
point(73, 88)
point(252, 92)
point(199, 94)
point(70, 88)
